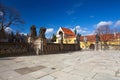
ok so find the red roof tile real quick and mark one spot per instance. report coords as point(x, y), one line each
point(68, 33)
point(104, 37)
point(90, 38)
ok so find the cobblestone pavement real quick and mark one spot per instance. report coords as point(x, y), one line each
point(80, 65)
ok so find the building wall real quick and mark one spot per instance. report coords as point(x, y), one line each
point(115, 44)
point(67, 40)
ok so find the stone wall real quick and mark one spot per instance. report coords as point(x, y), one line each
point(19, 49)
point(51, 48)
point(14, 49)
point(110, 47)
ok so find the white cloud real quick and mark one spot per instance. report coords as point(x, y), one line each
point(104, 24)
point(117, 23)
point(1, 13)
point(23, 33)
point(49, 30)
point(8, 30)
point(80, 30)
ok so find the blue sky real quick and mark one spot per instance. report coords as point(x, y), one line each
point(85, 15)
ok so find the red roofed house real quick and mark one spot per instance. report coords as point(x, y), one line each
point(69, 36)
point(110, 39)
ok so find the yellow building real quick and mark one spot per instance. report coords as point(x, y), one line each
point(110, 39)
point(69, 36)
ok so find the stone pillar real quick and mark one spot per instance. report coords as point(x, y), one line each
point(43, 39)
point(97, 42)
point(61, 41)
point(78, 41)
point(3, 36)
point(96, 46)
point(33, 31)
point(85, 42)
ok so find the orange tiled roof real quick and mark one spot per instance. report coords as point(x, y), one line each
point(90, 38)
point(72, 36)
point(68, 33)
point(116, 36)
point(104, 37)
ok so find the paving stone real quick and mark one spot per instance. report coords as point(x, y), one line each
point(68, 69)
point(106, 71)
point(59, 75)
point(1, 78)
point(17, 65)
point(79, 73)
point(60, 65)
point(37, 74)
point(1, 64)
point(35, 68)
point(9, 75)
point(79, 65)
point(117, 73)
point(4, 68)
point(90, 76)
point(24, 70)
point(49, 70)
point(23, 77)
point(7, 61)
point(104, 77)
point(48, 77)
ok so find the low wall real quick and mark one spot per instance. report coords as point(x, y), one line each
point(19, 49)
point(14, 49)
point(51, 48)
point(110, 47)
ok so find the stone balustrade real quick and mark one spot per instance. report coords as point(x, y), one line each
point(51, 48)
point(14, 49)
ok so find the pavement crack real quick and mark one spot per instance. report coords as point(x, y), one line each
point(94, 75)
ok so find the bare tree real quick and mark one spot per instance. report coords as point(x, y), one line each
point(105, 34)
point(9, 16)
